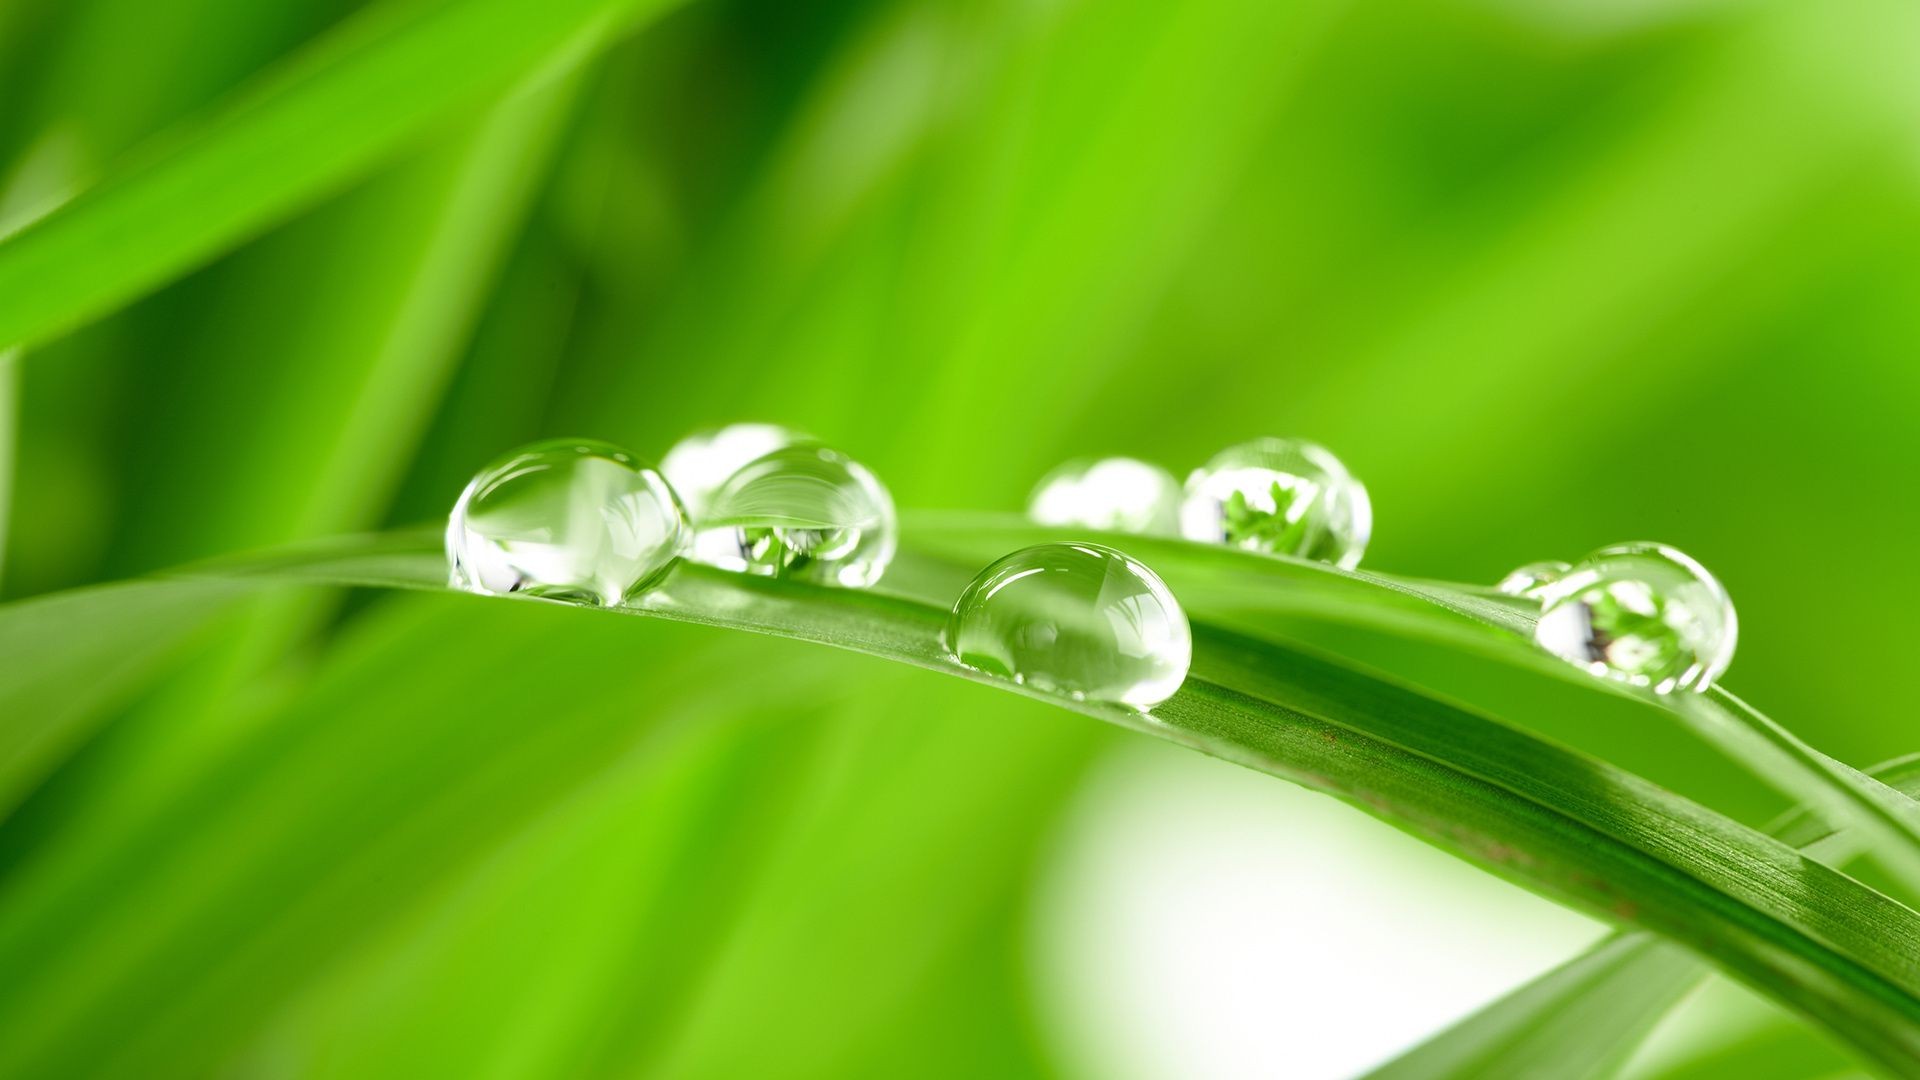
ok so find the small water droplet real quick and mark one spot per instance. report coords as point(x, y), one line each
point(569, 519)
point(1530, 580)
point(697, 465)
point(1116, 494)
point(1075, 619)
point(1643, 614)
point(1282, 497)
point(805, 512)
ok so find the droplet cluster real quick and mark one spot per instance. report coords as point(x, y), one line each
point(590, 523)
point(586, 522)
point(1276, 496)
point(1642, 614)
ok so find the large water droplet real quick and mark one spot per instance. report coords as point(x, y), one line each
point(569, 519)
point(1532, 579)
point(1282, 497)
point(1116, 494)
point(1643, 614)
point(1076, 619)
point(804, 512)
point(697, 465)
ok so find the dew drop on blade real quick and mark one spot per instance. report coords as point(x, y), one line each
point(1116, 494)
point(1532, 579)
point(697, 465)
point(1281, 497)
point(1642, 614)
point(1079, 620)
point(569, 519)
point(805, 512)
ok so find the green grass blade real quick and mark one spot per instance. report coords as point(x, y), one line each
point(1889, 819)
point(1286, 598)
point(295, 898)
point(339, 109)
point(9, 441)
point(1579, 1021)
point(1568, 826)
point(365, 353)
point(73, 655)
point(1586, 1017)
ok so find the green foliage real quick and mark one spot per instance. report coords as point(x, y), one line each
point(1586, 1017)
point(1564, 824)
point(1545, 275)
point(1271, 530)
point(329, 116)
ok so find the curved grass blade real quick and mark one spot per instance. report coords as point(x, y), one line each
point(1585, 1018)
point(1580, 1021)
point(183, 923)
point(1565, 825)
point(1269, 597)
point(335, 112)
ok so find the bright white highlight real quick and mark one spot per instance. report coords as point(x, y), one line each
point(1204, 922)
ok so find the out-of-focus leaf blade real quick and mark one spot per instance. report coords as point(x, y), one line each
point(1578, 1021)
point(340, 108)
point(579, 849)
point(70, 656)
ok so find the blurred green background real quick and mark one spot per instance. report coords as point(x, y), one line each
point(1546, 274)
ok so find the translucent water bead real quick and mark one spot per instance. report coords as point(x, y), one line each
point(1282, 497)
point(1080, 620)
point(805, 512)
point(1643, 614)
point(570, 519)
point(1532, 579)
point(697, 465)
point(1116, 494)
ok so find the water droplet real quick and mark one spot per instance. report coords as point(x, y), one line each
point(1530, 580)
point(805, 512)
point(1282, 497)
point(1643, 614)
point(570, 519)
point(1076, 619)
point(697, 465)
point(1117, 494)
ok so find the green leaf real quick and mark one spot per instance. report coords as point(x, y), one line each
point(1284, 599)
point(1580, 1020)
point(1584, 1018)
point(1568, 826)
point(72, 656)
point(427, 861)
point(340, 108)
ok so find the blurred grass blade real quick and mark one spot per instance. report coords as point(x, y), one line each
point(1580, 1021)
point(40, 183)
point(1571, 827)
point(9, 442)
point(1585, 1018)
point(346, 407)
point(336, 111)
point(72, 655)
